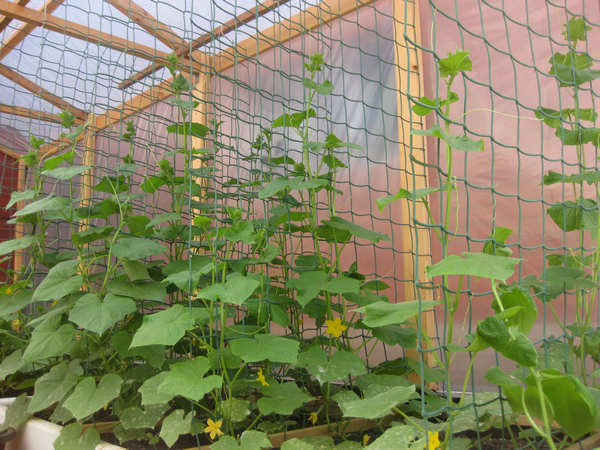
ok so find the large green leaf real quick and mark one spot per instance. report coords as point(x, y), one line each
point(571, 216)
point(274, 187)
point(136, 417)
point(237, 289)
point(11, 364)
point(415, 195)
point(54, 385)
point(17, 413)
point(187, 379)
point(266, 346)
point(65, 173)
point(356, 230)
point(91, 313)
point(573, 68)
point(136, 248)
point(475, 264)
point(513, 345)
point(308, 285)
point(282, 398)
point(152, 290)
point(72, 437)
point(12, 303)
point(12, 245)
point(87, 398)
point(378, 405)
point(342, 285)
point(462, 143)
point(340, 365)
point(195, 129)
point(187, 278)
point(589, 176)
point(381, 314)
point(526, 316)
point(154, 355)
point(92, 234)
point(46, 204)
point(16, 197)
point(454, 63)
point(61, 280)
point(575, 408)
point(293, 120)
point(405, 437)
point(49, 340)
point(174, 425)
point(235, 409)
point(166, 327)
point(250, 440)
point(242, 231)
point(149, 390)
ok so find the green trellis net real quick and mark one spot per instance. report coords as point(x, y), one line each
point(368, 54)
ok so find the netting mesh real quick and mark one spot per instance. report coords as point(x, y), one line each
point(254, 74)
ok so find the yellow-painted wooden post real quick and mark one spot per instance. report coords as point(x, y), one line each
point(409, 83)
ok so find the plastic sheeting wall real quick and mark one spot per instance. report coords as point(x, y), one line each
point(510, 44)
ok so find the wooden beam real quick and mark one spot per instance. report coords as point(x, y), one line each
point(409, 83)
point(40, 91)
point(19, 257)
point(18, 36)
point(148, 23)
point(30, 113)
point(221, 30)
point(163, 90)
point(87, 178)
point(83, 32)
point(304, 21)
point(9, 152)
point(6, 20)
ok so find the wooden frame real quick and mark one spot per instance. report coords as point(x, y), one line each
point(409, 84)
point(17, 37)
point(85, 33)
point(221, 30)
point(30, 113)
point(40, 91)
point(5, 21)
point(148, 23)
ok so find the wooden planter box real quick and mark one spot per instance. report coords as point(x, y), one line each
point(38, 434)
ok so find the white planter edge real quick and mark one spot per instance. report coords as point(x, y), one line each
point(38, 434)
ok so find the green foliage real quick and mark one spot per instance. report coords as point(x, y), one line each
point(87, 397)
point(282, 399)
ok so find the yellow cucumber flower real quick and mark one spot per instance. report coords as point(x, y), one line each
point(261, 378)
point(335, 327)
point(214, 428)
point(433, 440)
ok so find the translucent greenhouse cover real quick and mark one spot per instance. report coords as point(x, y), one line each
point(87, 75)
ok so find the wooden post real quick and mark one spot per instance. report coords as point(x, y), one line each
point(409, 83)
point(200, 114)
point(87, 159)
point(20, 226)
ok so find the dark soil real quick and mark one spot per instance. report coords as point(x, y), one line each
point(186, 441)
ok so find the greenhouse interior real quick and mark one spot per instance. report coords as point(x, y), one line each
point(299, 224)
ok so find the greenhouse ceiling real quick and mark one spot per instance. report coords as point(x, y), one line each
point(107, 57)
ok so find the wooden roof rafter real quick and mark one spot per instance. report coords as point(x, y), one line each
point(44, 94)
point(30, 113)
point(242, 19)
point(19, 35)
point(79, 31)
point(5, 21)
point(148, 22)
